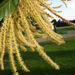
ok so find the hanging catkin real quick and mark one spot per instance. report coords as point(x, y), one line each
point(18, 30)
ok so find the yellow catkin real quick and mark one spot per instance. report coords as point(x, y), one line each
point(2, 42)
point(32, 48)
point(50, 16)
point(64, 2)
point(23, 40)
point(32, 28)
point(59, 11)
point(47, 20)
point(42, 25)
point(37, 46)
point(21, 37)
point(3, 46)
point(11, 57)
point(45, 0)
point(40, 35)
point(18, 31)
point(26, 28)
point(50, 9)
point(56, 11)
point(17, 52)
point(50, 3)
point(57, 7)
point(0, 46)
point(21, 46)
point(38, 8)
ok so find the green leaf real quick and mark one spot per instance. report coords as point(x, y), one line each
point(7, 7)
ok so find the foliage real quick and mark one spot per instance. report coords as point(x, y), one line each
point(7, 7)
point(61, 23)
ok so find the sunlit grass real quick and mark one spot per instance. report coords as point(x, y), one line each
point(65, 29)
point(61, 30)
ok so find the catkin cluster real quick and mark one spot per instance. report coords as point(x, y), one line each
point(18, 30)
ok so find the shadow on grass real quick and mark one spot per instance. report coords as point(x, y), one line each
point(5, 72)
point(53, 54)
point(46, 70)
point(38, 71)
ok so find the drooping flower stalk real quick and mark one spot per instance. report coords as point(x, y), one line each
point(18, 31)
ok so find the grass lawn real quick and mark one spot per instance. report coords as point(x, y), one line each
point(65, 29)
point(63, 54)
point(62, 30)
